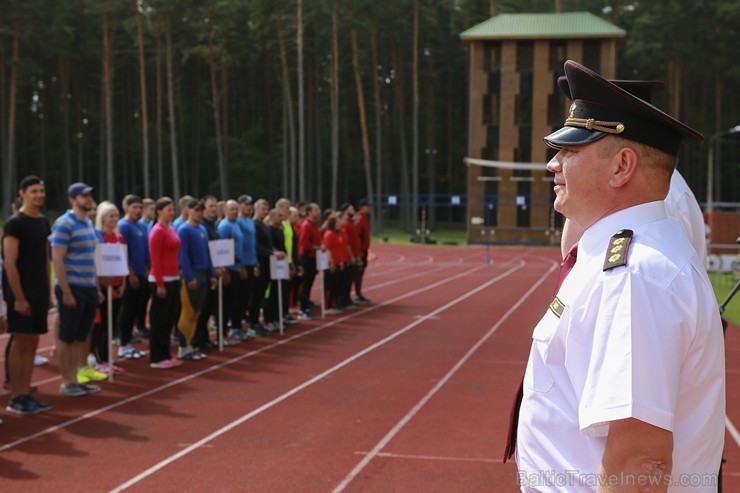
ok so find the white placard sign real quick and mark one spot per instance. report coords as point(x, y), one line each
point(279, 269)
point(111, 259)
point(222, 252)
point(392, 200)
point(322, 260)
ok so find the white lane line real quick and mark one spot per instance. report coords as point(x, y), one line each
point(732, 431)
point(249, 354)
point(308, 383)
point(397, 428)
point(437, 268)
point(388, 455)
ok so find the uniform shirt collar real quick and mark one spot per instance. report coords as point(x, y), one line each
point(596, 238)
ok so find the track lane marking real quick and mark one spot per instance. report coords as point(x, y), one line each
point(241, 357)
point(389, 455)
point(423, 401)
point(317, 378)
point(732, 430)
point(438, 267)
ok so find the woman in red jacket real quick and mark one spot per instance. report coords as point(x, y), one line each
point(335, 244)
point(164, 284)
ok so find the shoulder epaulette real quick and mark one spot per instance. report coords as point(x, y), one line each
point(616, 254)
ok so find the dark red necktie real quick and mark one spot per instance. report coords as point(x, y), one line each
point(565, 267)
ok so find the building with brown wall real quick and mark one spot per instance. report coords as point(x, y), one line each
point(514, 101)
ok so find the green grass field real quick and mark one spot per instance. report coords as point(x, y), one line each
point(723, 284)
point(444, 235)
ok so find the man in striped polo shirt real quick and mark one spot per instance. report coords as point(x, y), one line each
point(73, 254)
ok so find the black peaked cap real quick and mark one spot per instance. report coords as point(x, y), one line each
point(643, 89)
point(601, 108)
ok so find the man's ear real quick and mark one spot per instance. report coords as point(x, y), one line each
point(625, 165)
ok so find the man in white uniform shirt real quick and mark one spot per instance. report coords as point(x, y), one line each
point(624, 388)
point(680, 204)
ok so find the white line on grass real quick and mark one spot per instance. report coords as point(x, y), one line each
point(397, 428)
point(308, 383)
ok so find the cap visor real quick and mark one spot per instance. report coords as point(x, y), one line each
point(572, 136)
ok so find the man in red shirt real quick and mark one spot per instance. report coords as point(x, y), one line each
point(309, 240)
point(349, 233)
point(362, 226)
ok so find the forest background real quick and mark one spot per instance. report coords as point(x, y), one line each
point(319, 100)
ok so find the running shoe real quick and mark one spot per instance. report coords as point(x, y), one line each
point(91, 373)
point(130, 352)
point(22, 405)
point(42, 406)
point(189, 354)
point(229, 342)
point(166, 364)
point(90, 388)
point(73, 390)
point(39, 360)
point(105, 368)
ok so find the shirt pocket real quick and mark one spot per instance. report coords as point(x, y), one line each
point(538, 377)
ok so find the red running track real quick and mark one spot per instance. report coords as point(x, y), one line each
point(409, 394)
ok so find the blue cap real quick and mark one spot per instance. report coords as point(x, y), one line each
point(78, 188)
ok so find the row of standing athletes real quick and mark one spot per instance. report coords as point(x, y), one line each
point(258, 232)
point(180, 299)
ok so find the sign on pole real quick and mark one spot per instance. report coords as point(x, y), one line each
point(222, 255)
point(279, 271)
point(111, 260)
point(322, 265)
point(222, 252)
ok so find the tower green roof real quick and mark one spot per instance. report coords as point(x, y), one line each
point(550, 25)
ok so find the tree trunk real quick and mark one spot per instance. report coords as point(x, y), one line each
point(9, 177)
point(415, 122)
point(301, 115)
point(286, 172)
point(108, 109)
point(225, 113)
point(288, 95)
point(196, 133)
point(64, 89)
point(160, 159)
point(400, 105)
point(675, 82)
point(363, 119)
point(217, 117)
point(171, 110)
point(376, 224)
point(144, 116)
point(319, 166)
point(334, 107)
point(431, 153)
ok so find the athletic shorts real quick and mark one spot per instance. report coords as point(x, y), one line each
point(75, 323)
point(36, 322)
